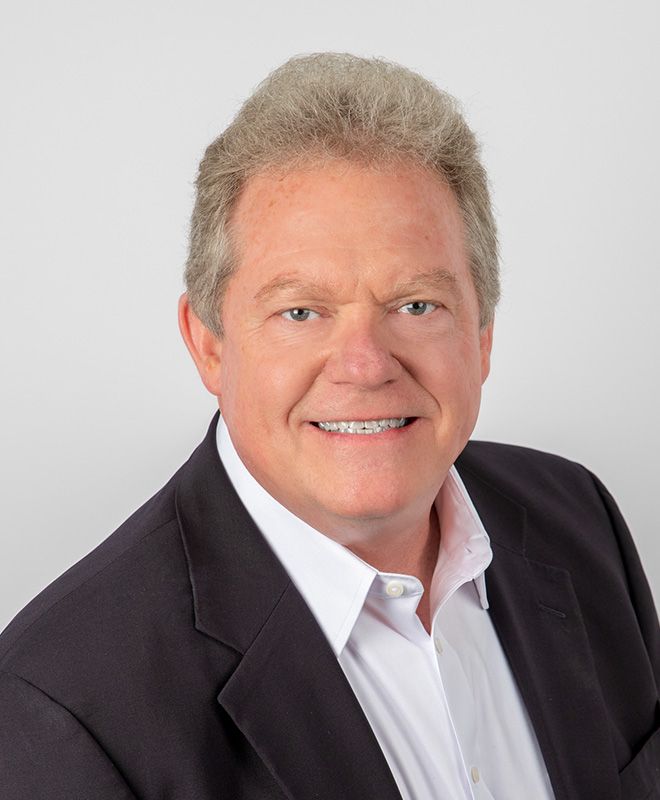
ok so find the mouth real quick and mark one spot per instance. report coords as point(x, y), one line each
point(364, 426)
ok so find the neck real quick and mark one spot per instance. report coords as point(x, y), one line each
point(414, 552)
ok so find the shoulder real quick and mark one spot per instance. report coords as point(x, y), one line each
point(527, 475)
point(495, 456)
point(104, 593)
point(569, 517)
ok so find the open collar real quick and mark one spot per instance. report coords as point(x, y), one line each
point(333, 581)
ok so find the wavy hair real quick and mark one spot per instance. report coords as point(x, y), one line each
point(337, 106)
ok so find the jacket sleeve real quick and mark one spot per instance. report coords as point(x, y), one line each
point(640, 591)
point(46, 754)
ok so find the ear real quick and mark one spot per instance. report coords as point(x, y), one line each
point(203, 345)
point(485, 346)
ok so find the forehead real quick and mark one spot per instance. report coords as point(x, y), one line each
point(397, 218)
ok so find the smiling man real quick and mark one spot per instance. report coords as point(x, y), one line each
point(339, 595)
point(355, 313)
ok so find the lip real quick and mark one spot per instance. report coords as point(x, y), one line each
point(363, 419)
point(350, 437)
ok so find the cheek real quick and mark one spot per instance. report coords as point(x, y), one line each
point(263, 383)
point(452, 375)
point(236, 377)
point(453, 359)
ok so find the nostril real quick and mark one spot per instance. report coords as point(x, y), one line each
point(367, 366)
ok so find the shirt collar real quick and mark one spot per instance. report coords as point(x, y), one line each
point(332, 580)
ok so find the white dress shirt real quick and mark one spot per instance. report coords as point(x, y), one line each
point(444, 708)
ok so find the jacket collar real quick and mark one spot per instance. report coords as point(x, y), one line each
point(236, 580)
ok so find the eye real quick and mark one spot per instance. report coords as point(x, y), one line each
point(299, 314)
point(417, 308)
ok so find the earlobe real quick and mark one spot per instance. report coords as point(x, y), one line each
point(204, 347)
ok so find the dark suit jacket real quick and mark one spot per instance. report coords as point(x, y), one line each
point(178, 662)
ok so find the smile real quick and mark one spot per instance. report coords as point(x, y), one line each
point(367, 426)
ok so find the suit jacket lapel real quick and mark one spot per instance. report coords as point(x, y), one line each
point(288, 694)
point(538, 621)
point(294, 704)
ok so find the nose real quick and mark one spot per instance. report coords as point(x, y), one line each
point(361, 355)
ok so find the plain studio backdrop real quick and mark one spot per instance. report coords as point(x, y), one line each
point(106, 109)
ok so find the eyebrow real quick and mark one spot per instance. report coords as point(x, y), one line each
point(291, 283)
point(438, 279)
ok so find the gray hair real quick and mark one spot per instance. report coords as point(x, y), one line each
point(337, 106)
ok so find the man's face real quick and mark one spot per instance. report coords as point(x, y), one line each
point(352, 303)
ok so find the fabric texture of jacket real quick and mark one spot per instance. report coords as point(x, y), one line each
point(177, 661)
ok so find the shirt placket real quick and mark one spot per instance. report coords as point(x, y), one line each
point(399, 589)
point(460, 709)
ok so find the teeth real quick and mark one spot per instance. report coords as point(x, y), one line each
point(363, 426)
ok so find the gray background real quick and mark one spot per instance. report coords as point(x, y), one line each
point(107, 107)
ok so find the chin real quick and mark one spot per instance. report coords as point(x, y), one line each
point(364, 506)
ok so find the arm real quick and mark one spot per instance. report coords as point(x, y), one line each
point(46, 754)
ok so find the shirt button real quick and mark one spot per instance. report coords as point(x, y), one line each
point(474, 772)
point(394, 588)
point(438, 646)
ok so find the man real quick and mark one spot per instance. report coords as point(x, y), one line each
point(338, 596)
